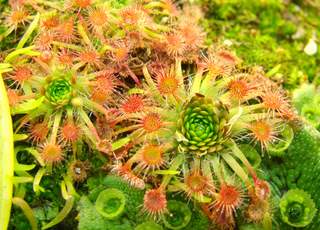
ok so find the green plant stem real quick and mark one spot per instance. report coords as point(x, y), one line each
point(6, 158)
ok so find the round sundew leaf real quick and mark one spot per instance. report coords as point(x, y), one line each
point(111, 203)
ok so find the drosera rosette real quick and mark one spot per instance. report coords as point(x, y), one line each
point(62, 100)
point(18, 16)
point(187, 129)
point(118, 29)
point(297, 208)
point(53, 105)
point(122, 38)
point(69, 76)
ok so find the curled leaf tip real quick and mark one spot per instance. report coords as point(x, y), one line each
point(297, 208)
point(111, 203)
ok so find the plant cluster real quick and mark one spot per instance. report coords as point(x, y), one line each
point(75, 68)
point(293, 177)
point(68, 70)
point(134, 81)
point(185, 130)
point(114, 204)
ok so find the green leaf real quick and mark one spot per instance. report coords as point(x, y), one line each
point(166, 172)
point(27, 106)
point(136, 91)
point(5, 67)
point(19, 180)
point(29, 31)
point(23, 51)
point(203, 199)
point(273, 71)
point(19, 137)
point(37, 179)
point(22, 167)
point(120, 143)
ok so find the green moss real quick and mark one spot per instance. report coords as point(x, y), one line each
point(267, 33)
point(250, 226)
point(303, 95)
point(198, 221)
point(59, 92)
point(303, 161)
point(306, 101)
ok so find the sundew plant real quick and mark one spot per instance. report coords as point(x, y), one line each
point(185, 131)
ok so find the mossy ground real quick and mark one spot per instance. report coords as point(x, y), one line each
point(269, 33)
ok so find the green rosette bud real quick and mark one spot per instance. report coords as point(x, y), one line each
point(59, 92)
point(297, 208)
point(111, 203)
point(178, 216)
point(202, 126)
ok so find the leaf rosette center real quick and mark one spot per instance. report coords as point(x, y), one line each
point(202, 124)
point(59, 92)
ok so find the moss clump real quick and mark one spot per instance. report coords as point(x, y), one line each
point(268, 33)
